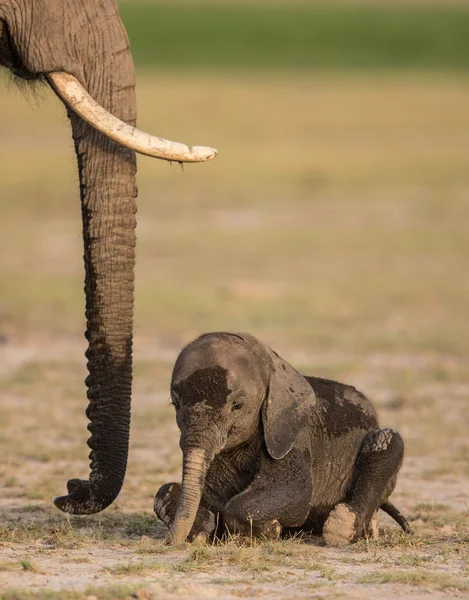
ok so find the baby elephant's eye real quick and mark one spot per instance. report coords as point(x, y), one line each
point(175, 403)
point(238, 404)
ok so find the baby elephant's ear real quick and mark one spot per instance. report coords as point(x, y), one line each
point(289, 401)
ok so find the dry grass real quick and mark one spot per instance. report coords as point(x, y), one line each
point(346, 251)
point(420, 578)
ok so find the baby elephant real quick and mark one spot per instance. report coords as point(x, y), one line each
point(266, 449)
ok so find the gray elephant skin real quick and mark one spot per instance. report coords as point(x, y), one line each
point(267, 450)
point(85, 40)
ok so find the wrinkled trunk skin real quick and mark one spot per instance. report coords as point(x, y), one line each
point(108, 193)
point(87, 39)
point(196, 462)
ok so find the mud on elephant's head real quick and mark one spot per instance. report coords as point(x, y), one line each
point(81, 48)
point(226, 389)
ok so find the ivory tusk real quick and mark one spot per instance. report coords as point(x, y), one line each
point(74, 94)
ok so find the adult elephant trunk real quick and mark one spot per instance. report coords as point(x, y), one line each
point(86, 39)
point(196, 462)
point(108, 191)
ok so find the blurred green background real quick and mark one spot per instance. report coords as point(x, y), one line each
point(298, 35)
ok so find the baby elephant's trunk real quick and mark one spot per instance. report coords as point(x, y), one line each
point(195, 465)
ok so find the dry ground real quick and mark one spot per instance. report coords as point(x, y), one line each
point(334, 226)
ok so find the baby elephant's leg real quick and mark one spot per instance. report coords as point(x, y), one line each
point(165, 506)
point(279, 497)
point(378, 463)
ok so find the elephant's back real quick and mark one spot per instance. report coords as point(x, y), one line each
point(341, 408)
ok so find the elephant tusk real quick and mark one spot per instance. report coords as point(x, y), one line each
point(74, 95)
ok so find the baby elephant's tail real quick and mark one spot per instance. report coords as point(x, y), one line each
point(393, 512)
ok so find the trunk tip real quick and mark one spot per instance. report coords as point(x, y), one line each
point(175, 540)
point(81, 499)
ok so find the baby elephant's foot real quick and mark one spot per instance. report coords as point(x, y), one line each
point(248, 529)
point(341, 526)
point(165, 507)
point(270, 530)
point(165, 503)
point(204, 526)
